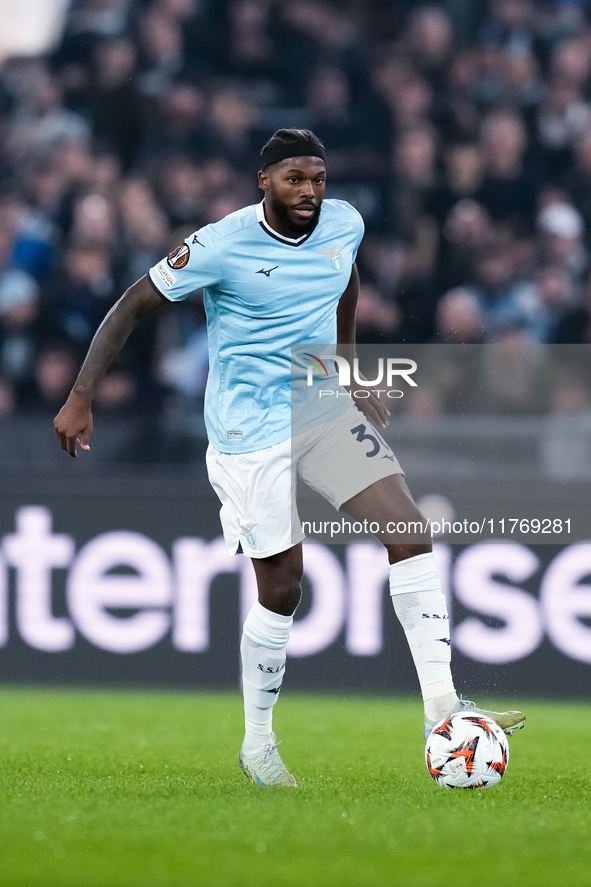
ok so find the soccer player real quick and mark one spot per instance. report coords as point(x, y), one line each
point(275, 275)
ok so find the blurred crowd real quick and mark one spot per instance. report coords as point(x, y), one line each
point(460, 130)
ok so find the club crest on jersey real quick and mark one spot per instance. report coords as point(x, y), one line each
point(179, 257)
point(336, 259)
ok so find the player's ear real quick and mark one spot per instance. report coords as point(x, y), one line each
point(263, 179)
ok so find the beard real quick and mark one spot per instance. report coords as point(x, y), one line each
point(291, 227)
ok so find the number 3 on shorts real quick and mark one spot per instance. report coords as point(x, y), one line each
point(359, 432)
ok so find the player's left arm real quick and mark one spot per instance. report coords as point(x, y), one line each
point(372, 406)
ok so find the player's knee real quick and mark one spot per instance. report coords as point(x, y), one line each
point(288, 588)
point(290, 597)
point(279, 581)
point(282, 598)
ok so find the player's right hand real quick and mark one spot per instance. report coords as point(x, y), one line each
point(73, 424)
point(372, 406)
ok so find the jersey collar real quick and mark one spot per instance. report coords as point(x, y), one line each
point(290, 241)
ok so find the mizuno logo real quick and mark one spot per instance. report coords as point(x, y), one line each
point(196, 240)
point(266, 272)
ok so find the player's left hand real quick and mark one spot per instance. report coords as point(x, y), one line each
point(373, 407)
point(73, 424)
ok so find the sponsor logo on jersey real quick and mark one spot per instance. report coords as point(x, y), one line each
point(336, 259)
point(168, 278)
point(267, 271)
point(179, 257)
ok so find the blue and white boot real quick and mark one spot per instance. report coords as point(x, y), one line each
point(264, 765)
point(508, 721)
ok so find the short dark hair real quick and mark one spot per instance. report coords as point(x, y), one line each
point(289, 136)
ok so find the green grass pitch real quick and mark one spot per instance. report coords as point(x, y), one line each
point(114, 789)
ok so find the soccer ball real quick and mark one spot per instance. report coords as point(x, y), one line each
point(467, 750)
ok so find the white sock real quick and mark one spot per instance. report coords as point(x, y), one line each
point(421, 608)
point(262, 648)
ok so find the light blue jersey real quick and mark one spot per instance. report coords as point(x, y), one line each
point(263, 293)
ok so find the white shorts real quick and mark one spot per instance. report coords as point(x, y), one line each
point(338, 459)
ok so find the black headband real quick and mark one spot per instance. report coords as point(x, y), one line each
point(300, 148)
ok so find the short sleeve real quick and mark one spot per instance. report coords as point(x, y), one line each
point(192, 265)
point(359, 226)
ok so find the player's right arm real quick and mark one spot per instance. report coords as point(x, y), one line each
point(73, 423)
